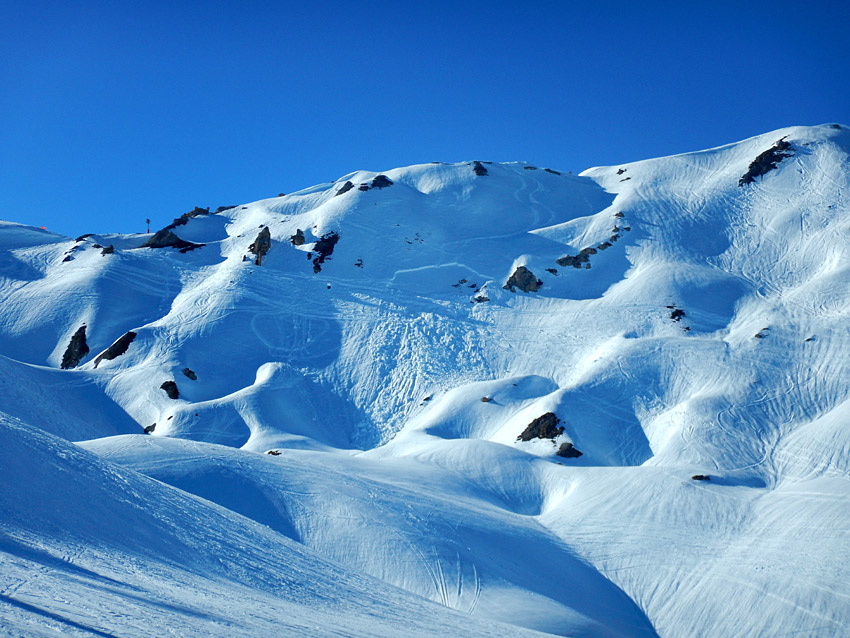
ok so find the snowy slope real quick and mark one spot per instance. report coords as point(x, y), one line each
point(679, 321)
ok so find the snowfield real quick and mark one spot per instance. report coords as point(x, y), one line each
point(475, 399)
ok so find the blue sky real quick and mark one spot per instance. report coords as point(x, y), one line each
point(114, 112)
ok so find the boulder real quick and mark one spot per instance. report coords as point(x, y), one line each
point(166, 239)
point(190, 373)
point(170, 389)
point(261, 245)
point(298, 238)
point(543, 427)
point(345, 188)
point(324, 248)
point(568, 451)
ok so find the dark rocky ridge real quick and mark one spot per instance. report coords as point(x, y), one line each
point(77, 349)
point(767, 161)
point(324, 249)
point(166, 239)
point(170, 389)
point(116, 349)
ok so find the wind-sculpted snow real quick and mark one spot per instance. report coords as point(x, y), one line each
point(683, 325)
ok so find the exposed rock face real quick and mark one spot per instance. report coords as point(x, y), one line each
point(549, 170)
point(116, 349)
point(766, 162)
point(166, 239)
point(381, 181)
point(150, 428)
point(576, 261)
point(221, 209)
point(568, 451)
point(185, 217)
point(677, 314)
point(108, 250)
point(82, 237)
point(77, 349)
point(701, 477)
point(324, 248)
point(170, 389)
point(298, 238)
point(261, 245)
point(543, 427)
point(190, 373)
point(345, 188)
point(523, 279)
point(478, 169)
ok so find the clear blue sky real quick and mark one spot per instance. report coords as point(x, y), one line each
point(111, 112)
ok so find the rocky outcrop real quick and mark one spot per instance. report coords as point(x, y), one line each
point(523, 279)
point(345, 188)
point(478, 168)
point(150, 428)
point(77, 349)
point(766, 161)
point(543, 427)
point(166, 239)
point(324, 248)
point(298, 238)
point(568, 451)
point(170, 389)
point(381, 181)
point(576, 261)
point(701, 477)
point(190, 373)
point(116, 349)
point(185, 217)
point(108, 250)
point(261, 245)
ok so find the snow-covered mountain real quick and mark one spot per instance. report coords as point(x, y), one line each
point(613, 404)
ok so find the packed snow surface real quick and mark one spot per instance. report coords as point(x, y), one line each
point(473, 399)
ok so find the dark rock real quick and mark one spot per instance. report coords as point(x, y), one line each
point(619, 214)
point(838, 126)
point(478, 169)
point(359, 262)
point(486, 399)
point(96, 246)
point(766, 161)
point(605, 245)
point(549, 170)
point(108, 250)
point(363, 187)
point(677, 314)
point(261, 245)
point(68, 258)
point(701, 477)
point(381, 181)
point(298, 238)
point(345, 188)
point(543, 427)
point(77, 349)
point(281, 194)
point(759, 335)
point(273, 452)
point(150, 428)
point(166, 239)
point(481, 299)
point(428, 398)
point(530, 168)
point(625, 179)
point(614, 237)
point(170, 389)
point(185, 217)
point(568, 451)
point(810, 339)
point(523, 279)
point(82, 237)
point(621, 171)
point(116, 349)
point(576, 261)
point(553, 271)
point(190, 373)
point(221, 209)
point(324, 248)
